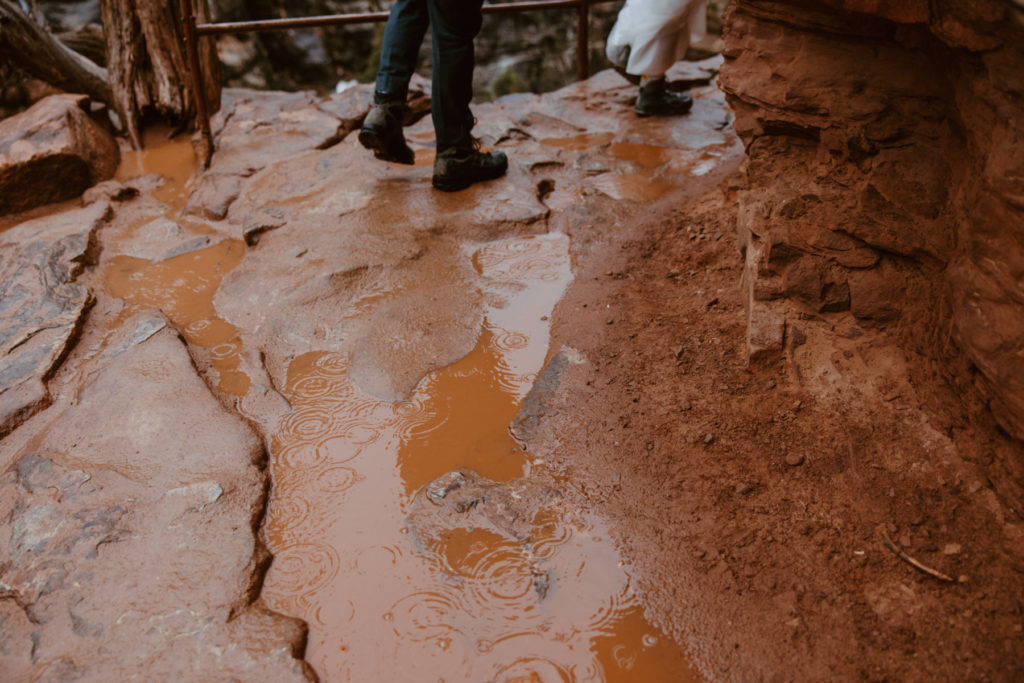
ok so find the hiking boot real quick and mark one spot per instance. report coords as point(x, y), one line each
point(456, 168)
point(656, 100)
point(382, 130)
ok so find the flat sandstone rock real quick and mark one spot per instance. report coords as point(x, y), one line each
point(52, 152)
point(128, 544)
point(41, 305)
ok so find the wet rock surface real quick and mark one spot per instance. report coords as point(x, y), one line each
point(52, 152)
point(515, 511)
point(508, 508)
point(128, 542)
point(42, 307)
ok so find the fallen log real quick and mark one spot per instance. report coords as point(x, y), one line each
point(38, 53)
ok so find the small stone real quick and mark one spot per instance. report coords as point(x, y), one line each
point(610, 322)
point(952, 549)
point(709, 438)
point(439, 489)
point(794, 459)
point(743, 489)
point(906, 541)
point(962, 578)
point(891, 528)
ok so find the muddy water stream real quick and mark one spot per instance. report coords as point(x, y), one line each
point(387, 599)
point(183, 286)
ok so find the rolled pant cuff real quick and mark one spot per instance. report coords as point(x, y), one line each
point(393, 86)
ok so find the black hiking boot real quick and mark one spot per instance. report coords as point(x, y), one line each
point(656, 100)
point(382, 130)
point(456, 168)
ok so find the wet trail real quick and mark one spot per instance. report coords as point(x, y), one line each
point(300, 417)
point(387, 591)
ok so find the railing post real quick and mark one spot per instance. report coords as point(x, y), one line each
point(195, 73)
point(583, 40)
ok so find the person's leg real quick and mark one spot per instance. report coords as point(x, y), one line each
point(403, 35)
point(459, 164)
point(454, 24)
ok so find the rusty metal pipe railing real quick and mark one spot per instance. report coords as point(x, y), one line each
point(193, 32)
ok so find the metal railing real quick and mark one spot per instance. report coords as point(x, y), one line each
point(194, 31)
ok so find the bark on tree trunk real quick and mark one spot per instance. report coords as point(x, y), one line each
point(147, 63)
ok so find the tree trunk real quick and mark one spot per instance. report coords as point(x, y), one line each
point(147, 62)
point(31, 48)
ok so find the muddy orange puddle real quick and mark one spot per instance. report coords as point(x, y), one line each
point(382, 607)
point(173, 159)
point(183, 288)
point(649, 173)
point(578, 143)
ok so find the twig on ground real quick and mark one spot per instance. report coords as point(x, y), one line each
point(914, 563)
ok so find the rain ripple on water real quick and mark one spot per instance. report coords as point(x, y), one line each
point(468, 604)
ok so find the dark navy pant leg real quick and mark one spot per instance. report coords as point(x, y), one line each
point(454, 24)
point(403, 36)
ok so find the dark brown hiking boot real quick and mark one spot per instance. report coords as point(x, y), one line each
point(382, 131)
point(456, 168)
point(656, 100)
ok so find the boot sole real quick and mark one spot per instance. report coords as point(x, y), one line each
point(644, 113)
point(371, 139)
point(456, 184)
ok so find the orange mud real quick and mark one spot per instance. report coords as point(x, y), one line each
point(384, 604)
point(173, 159)
point(578, 143)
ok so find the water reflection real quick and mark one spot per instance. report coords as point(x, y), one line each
point(390, 599)
point(183, 288)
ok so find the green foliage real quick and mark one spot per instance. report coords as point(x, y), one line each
point(369, 71)
point(510, 82)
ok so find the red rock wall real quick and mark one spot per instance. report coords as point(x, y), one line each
point(885, 172)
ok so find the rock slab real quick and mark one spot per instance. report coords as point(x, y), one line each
point(41, 305)
point(128, 544)
point(52, 152)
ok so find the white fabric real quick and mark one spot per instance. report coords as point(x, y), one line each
point(649, 36)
